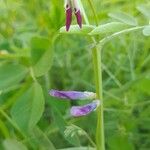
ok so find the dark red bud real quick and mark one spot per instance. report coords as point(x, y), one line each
point(68, 17)
point(78, 17)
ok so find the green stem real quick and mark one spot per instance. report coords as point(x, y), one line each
point(96, 53)
point(94, 12)
point(4, 129)
point(116, 34)
point(100, 139)
point(11, 122)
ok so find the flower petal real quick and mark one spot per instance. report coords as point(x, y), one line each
point(72, 94)
point(68, 14)
point(79, 18)
point(78, 111)
point(77, 13)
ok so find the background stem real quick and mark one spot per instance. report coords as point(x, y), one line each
point(93, 10)
point(97, 63)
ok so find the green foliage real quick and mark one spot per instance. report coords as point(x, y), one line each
point(123, 17)
point(28, 109)
point(145, 10)
point(11, 144)
point(41, 55)
point(146, 31)
point(120, 141)
point(108, 28)
point(34, 58)
point(74, 29)
point(60, 122)
point(11, 74)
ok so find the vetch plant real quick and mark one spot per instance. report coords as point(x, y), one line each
point(84, 110)
point(72, 130)
point(29, 116)
point(77, 111)
point(123, 23)
point(73, 95)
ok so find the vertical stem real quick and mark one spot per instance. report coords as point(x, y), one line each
point(100, 139)
point(96, 53)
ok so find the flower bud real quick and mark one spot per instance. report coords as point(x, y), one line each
point(72, 95)
point(78, 111)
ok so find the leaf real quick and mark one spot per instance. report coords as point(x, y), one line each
point(74, 29)
point(12, 144)
point(60, 122)
point(41, 55)
point(11, 74)
point(28, 109)
point(41, 140)
point(44, 64)
point(145, 10)
point(78, 148)
point(108, 28)
point(143, 85)
point(38, 46)
point(120, 141)
point(124, 17)
point(146, 30)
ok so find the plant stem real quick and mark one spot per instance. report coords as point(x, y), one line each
point(114, 35)
point(94, 12)
point(12, 122)
point(97, 63)
point(100, 139)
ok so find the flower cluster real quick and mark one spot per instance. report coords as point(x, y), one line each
point(69, 6)
point(77, 111)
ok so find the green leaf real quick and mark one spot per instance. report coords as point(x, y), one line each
point(143, 85)
point(120, 141)
point(108, 28)
point(41, 140)
point(41, 55)
point(146, 30)
point(74, 29)
point(60, 122)
point(11, 74)
point(38, 46)
point(145, 10)
point(12, 144)
point(124, 17)
point(79, 148)
point(28, 109)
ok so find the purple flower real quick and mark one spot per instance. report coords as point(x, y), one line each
point(77, 13)
point(72, 94)
point(68, 8)
point(68, 14)
point(79, 18)
point(77, 111)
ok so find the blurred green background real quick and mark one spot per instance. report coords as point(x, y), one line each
point(34, 58)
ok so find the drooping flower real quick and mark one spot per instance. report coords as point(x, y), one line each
point(72, 94)
point(77, 111)
point(77, 13)
point(69, 4)
point(68, 14)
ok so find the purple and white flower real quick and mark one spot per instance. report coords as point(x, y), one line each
point(77, 111)
point(68, 9)
point(73, 95)
point(69, 5)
